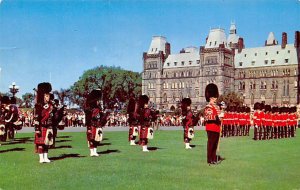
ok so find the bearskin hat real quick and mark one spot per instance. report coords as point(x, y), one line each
point(13, 100)
point(274, 109)
point(143, 99)
point(185, 102)
point(211, 90)
point(43, 88)
point(247, 109)
point(267, 108)
point(94, 96)
point(257, 106)
point(5, 100)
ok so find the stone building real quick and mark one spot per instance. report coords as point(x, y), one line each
point(269, 73)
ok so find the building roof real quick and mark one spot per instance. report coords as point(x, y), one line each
point(157, 44)
point(190, 58)
point(266, 56)
point(215, 38)
point(271, 39)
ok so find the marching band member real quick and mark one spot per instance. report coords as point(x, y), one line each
point(95, 121)
point(212, 114)
point(43, 121)
point(145, 117)
point(188, 122)
point(132, 120)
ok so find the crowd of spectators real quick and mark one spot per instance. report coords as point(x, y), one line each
point(77, 119)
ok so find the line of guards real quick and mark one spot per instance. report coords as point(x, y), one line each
point(268, 122)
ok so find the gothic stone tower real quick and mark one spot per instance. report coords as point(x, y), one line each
point(153, 60)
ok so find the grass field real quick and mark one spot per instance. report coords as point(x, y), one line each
point(249, 164)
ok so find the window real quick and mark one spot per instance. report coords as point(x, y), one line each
point(190, 62)
point(215, 42)
point(252, 63)
point(241, 63)
point(277, 52)
point(175, 63)
point(198, 61)
point(168, 64)
point(272, 61)
point(286, 60)
point(255, 54)
point(182, 62)
point(245, 55)
point(289, 51)
point(296, 84)
point(209, 43)
point(266, 62)
point(266, 53)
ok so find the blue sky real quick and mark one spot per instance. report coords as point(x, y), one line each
point(58, 40)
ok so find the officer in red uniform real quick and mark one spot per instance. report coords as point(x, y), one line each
point(95, 121)
point(225, 123)
point(268, 122)
point(132, 120)
point(248, 121)
point(43, 121)
point(212, 114)
point(145, 117)
point(189, 121)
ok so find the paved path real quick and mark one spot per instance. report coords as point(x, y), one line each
point(120, 128)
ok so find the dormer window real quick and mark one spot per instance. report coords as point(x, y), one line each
point(266, 53)
point(155, 49)
point(252, 62)
point(277, 52)
point(289, 51)
point(190, 62)
point(241, 64)
point(272, 61)
point(198, 61)
point(182, 62)
point(245, 55)
point(215, 42)
point(175, 63)
point(286, 60)
point(266, 62)
point(209, 43)
point(255, 54)
point(168, 64)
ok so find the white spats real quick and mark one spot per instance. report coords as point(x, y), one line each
point(145, 149)
point(187, 146)
point(132, 143)
point(41, 158)
point(46, 160)
point(93, 152)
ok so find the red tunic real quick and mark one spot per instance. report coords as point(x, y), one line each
point(268, 119)
point(211, 113)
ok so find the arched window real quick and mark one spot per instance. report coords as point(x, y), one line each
point(165, 98)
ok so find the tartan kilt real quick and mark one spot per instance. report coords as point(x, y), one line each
point(143, 132)
point(91, 136)
point(40, 138)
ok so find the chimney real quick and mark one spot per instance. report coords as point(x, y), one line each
point(144, 56)
point(240, 45)
point(168, 49)
point(284, 40)
point(297, 39)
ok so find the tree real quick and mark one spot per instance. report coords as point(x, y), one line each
point(231, 99)
point(28, 99)
point(116, 85)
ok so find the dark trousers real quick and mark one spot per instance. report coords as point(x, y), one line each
point(212, 145)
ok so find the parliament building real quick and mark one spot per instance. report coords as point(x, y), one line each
point(267, 74)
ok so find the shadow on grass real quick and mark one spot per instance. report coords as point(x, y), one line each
point(64, 156)
point(193, 146)
point(59, 141)
point(103, 144)
point(19, 141)
point(153, 148)
point(59, 147)
point(109, 151)
point(60, 137)
point(12, 150)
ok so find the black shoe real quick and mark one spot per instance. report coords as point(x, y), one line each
point(212, 163)
point(219, 158)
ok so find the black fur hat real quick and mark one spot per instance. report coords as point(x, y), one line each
point(274, 109)
point(43, 88)
point(131, 105)
point(143, 99)
point(267, 108)
point(247, 109)
point(94, 96)
point(5, 100)
point(257, 106)
point(185, 102)
point(211, 90)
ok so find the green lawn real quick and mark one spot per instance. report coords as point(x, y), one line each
point(249, 164)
